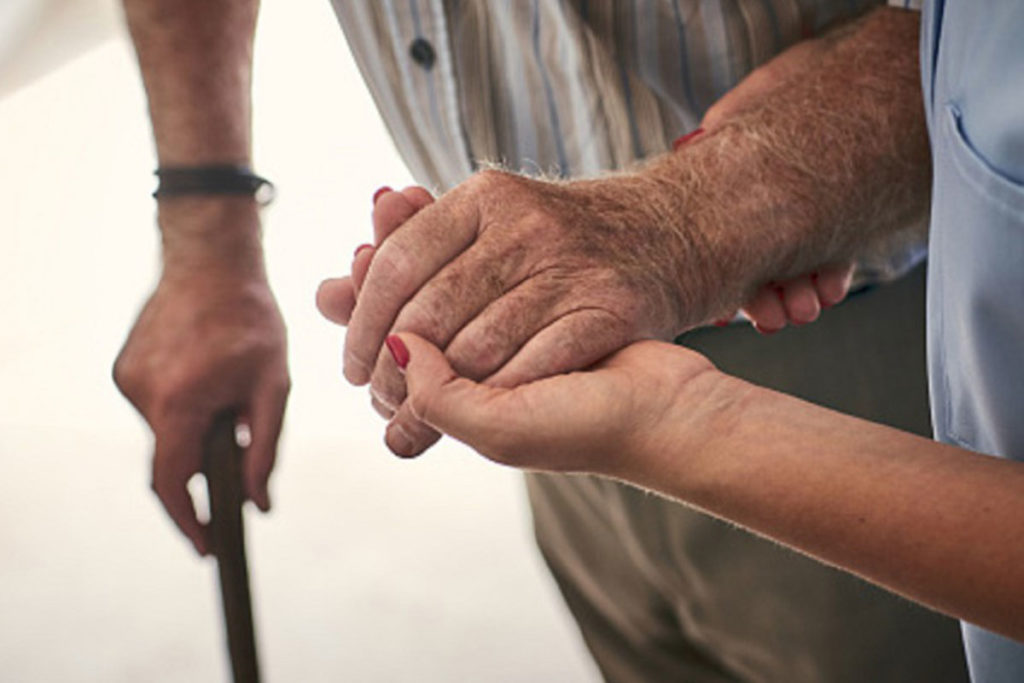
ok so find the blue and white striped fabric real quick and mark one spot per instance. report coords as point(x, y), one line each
point(563, 87)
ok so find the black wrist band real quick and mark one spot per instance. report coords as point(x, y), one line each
point(180, 181)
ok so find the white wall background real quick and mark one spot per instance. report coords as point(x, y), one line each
point(369, 568)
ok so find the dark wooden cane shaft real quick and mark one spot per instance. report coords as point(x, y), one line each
point(223, 469)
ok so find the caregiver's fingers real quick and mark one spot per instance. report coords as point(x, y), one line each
point(800, 300)
point(765, 310)
point(391, 209)
point(832, 283)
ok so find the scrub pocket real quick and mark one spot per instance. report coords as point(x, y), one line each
point(976, 296)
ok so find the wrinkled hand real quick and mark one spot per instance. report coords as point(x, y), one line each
point(603, 420)
point(208, 340)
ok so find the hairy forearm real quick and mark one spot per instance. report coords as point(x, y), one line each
point(195, 57)
point(815, 169)
point(196, 63)
point(938, 524)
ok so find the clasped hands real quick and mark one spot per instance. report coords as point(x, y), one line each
point(524, 283)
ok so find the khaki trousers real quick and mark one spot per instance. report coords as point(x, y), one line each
point(664, 593)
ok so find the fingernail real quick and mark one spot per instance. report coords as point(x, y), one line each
point(361, 247)
point(379, 192)
point(722, 323)
point(765, 330)
point(398, 350)
point(682, 140)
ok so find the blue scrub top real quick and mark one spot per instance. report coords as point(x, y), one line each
point(973, 69)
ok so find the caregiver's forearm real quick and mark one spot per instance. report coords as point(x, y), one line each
point(939, 524)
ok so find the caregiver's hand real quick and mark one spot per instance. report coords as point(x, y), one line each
point(610, 419)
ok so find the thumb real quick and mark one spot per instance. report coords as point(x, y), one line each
point(439, 397)
point(336, 298)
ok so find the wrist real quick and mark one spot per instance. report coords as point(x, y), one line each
point(662, 205)
point(677, 453)
point(200, 233)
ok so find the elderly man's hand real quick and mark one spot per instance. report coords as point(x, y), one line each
point(209, 339)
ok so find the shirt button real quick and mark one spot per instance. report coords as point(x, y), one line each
point(422, 52)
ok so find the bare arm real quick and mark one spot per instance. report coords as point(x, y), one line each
point(935, 523)
point(196, 63)
point(210, 337)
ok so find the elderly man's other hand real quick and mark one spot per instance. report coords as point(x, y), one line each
point(210, 339)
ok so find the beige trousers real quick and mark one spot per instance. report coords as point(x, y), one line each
point(664, 593)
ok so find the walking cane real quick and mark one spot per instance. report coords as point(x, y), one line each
point(222, 466)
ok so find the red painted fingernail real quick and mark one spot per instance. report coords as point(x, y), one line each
point(379, 192)
point(682, 140)
point(361, 247)
point(398, 350)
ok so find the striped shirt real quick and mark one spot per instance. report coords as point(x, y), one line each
point(563, 87)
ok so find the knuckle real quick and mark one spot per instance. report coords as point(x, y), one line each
point(477, 355)
point(125, 375)
point(425, 316)
point(392, 264)
point(174, 393)
point(496, 184)
point(489, 179)
point(538, 222)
